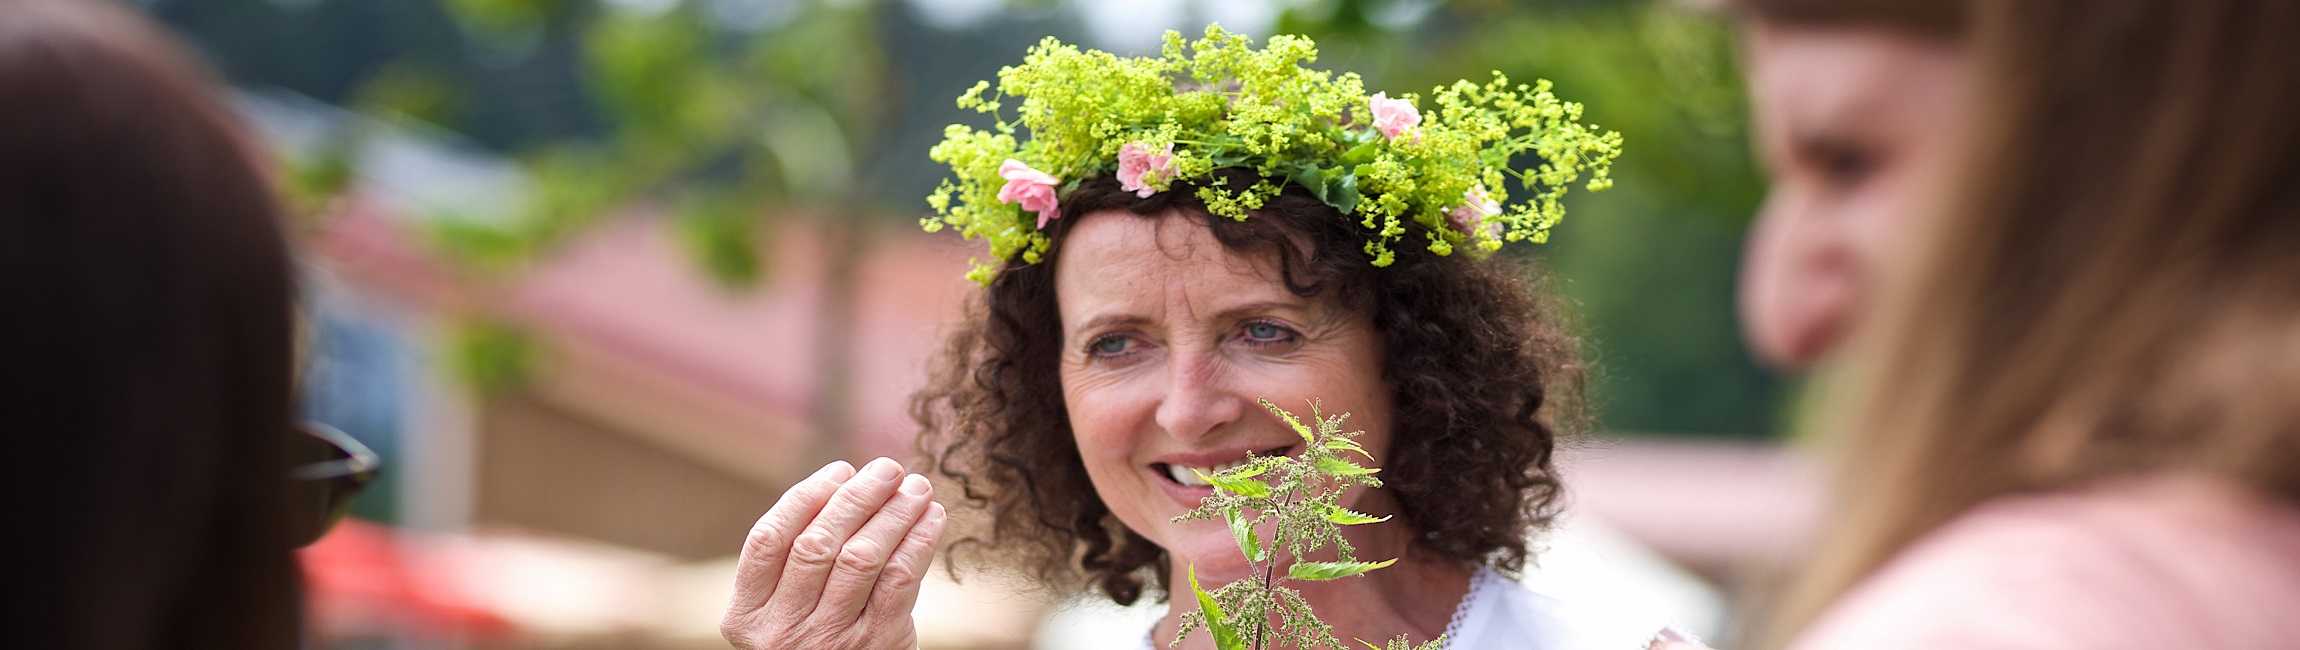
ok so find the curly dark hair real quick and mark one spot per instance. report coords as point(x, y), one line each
point(1485, 381)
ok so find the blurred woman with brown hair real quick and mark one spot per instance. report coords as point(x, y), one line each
point(146, 350)
point(2071, 420)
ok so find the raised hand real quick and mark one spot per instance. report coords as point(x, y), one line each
point(836, 563)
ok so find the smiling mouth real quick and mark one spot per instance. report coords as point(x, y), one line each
point(1187, 476)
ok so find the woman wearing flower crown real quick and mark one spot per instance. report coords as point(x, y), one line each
point(1173, 239)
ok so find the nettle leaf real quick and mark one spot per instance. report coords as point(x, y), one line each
point(1291, 421)
point(1242, 528)
point(1247, 487)
point(1307, 519)
point(1335, 466)
point(1225, 636)
point(1348, 517)
point(1246, 471)
point(1332, 570)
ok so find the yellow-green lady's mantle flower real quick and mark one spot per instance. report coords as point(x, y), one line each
point(1155, 123)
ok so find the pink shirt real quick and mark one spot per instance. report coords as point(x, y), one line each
point(2154, 563)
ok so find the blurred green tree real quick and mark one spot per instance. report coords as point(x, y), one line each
point(1649, 266)
point(728, 114)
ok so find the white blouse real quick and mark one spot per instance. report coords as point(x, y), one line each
point(1500, 614)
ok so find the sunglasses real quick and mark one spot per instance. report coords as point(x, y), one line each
point(331, 468)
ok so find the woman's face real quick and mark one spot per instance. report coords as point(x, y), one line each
point(1856, 126)
point(1168, 341)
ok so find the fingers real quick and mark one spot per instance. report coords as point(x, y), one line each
point(865, 555)
point(897, 589)
point(816, 549)
point(769, 545)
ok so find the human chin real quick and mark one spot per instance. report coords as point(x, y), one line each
point(1205, 547)
point(1149, 504)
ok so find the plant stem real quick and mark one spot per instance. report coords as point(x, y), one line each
point(1270, 571)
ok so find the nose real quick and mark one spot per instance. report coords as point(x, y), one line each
point(1199, 399)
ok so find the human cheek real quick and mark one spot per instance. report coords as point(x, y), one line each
point(1797, 276)
point(1341, 373)
point(1352, 384)
point(1880, 219)
point(1109, 418)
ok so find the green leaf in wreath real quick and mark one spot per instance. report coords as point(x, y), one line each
point(1345, 196)
point(1318, 181)
point(1332, 570)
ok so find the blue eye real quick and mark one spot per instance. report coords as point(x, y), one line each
point(1109, 346)
point(1267, 333)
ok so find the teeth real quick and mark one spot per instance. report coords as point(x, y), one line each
point(1185, 475)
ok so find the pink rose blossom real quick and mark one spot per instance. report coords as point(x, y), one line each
point(1394, 116)
point(1031, 188)
point(1142, 172)
point(1476, 206)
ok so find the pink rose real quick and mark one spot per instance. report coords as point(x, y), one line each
point(1475, 207)
point(1394, 116)
point(1142, 172)
point(1031, 188)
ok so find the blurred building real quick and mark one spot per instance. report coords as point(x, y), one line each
point(660, 410)
point(657, 414)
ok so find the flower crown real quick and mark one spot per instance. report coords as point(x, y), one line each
point(1152, 122)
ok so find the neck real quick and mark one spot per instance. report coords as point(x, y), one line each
point(1415, 597)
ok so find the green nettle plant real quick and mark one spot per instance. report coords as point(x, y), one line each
point(1299, 494)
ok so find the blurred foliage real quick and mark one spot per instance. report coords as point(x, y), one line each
point(724, 114)
point(411, 88)
point(1649, 267)
point(711, 120)
point(493, 356)
point(315, 180)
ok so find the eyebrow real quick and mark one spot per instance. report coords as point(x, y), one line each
point(1106, 321)
point(1112, 320)
point(1234, 313)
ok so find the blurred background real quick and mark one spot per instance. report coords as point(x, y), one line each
point(600, 278)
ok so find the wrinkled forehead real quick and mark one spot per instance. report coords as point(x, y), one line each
point(1846, 76)
point(1114, 259)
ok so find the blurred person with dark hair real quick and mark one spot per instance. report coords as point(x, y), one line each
point(146, 351)
point(2055, 242)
